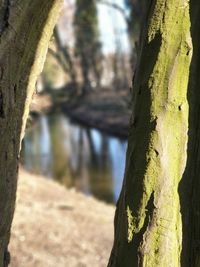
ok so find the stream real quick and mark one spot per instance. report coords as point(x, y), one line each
point(75, 156)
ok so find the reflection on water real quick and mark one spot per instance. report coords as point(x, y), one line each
point(76, 156)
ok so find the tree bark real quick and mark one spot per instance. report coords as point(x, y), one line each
point(148, 222)
point(189, 188)
point(25, 30)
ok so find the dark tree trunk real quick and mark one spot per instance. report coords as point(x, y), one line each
point(25, 30)
point(189, 188)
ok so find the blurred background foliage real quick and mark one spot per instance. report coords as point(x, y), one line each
point(78, 122)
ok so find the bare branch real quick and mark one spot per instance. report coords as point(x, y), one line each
point(59, 60)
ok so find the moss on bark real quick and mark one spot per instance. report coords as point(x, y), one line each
point(148, 228)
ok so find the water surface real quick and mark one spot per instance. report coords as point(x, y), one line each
point(75, 156)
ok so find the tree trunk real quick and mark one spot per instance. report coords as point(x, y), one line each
point(148, 223)
point(63, 54)
point(25, 30)
point(189, 188)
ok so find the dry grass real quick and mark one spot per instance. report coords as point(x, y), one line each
point(55, 227)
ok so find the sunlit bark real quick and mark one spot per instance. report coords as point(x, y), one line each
point(25, 30)
point(148, 222)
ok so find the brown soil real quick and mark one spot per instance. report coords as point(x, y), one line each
point(55, 227)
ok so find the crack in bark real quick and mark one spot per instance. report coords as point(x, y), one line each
point(147, 223)
point(6, 258)
point(2, 113)
point(5, 16)
point(15, 93)
point(1, 72)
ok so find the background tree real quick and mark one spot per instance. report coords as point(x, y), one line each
point(149, 215)
point(87, 44)
point(121, 77)
point(25, 30)
point(134, 22)
point(133, 14)
point(63, 57)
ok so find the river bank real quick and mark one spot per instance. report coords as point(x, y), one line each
point(54, 226)
point(104, 109)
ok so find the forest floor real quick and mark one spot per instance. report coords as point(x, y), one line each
point(105, 109)
point(57, 227)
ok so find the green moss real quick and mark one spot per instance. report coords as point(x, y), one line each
point(130, 224)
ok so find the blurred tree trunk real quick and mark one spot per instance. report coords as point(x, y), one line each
point(64, 57)
point(134, 23)
point(87, 42)
point(148, 222)
point(25, 30)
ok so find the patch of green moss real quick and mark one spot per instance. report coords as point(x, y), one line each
point(130, 224)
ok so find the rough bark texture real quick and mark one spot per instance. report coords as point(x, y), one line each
point(148, 223)
point(25, 29)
